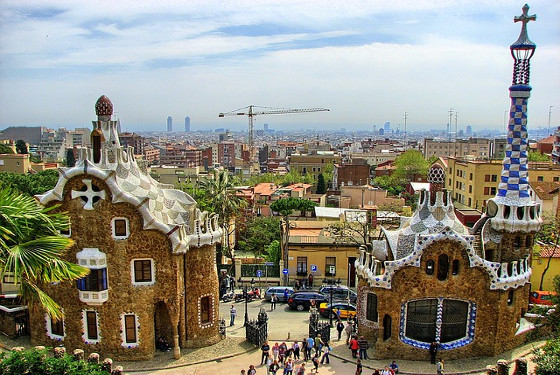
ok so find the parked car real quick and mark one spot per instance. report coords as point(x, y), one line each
point(278, 291)
point(346, 309)
point(301, 300)
point(341, 292)
point(541, 297)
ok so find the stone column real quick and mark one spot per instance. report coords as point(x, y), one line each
point(503, 367)
point(520, 366)
point(281, 264)
point(237, 264)
point(176, 347)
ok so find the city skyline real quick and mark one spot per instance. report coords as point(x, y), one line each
point(368, 62)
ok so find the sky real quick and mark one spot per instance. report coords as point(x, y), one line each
point(368, 62)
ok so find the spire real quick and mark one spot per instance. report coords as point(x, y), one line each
point(512, 209)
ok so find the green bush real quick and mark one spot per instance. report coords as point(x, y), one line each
point(38, 362)
point(547, 358)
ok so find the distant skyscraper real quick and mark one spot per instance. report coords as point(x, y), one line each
point(469, 130)
point(187, 124)
point(387, 127)
point(266, 128)
point(169, 124)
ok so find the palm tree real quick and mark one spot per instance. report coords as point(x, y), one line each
point(221, 193)
point(31, 248)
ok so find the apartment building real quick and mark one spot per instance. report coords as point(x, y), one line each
point(313, 164)
point(472, 182)
point(463, 148)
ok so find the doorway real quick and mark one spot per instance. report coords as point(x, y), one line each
point(351, 272)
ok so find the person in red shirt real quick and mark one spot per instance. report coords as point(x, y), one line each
point(354, 347)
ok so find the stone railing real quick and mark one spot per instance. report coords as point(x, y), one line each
point(509, 274)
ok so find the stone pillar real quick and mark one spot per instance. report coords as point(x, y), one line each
point(107, 365)
point(237, 263)
point(520, 366)
point(491, 370)
point(59, 352)
point(93, 358)
point(503, 367)
point(78, 354)
point(281, 264)
point(176, 347)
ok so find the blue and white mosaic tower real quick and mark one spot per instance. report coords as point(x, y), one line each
point(512, 209)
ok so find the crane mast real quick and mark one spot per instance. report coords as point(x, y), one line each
point(251, 113)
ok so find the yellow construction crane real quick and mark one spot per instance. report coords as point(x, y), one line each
point(254, 110)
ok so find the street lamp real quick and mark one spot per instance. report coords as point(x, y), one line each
point(246, 297)
point(332, 312)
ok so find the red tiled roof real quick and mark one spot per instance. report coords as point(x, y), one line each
point(548, 251)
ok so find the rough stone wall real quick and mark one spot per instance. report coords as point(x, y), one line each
point(495, 320)
point(510, 251)
point(201, 280)
point(8, 324)
point(92, 229)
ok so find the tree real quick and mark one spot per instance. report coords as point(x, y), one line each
point(286, 207)
point(5, 149)
point(30, 184)
point(547, 358)
point(537, 156)
point(31, 248)
point(273, 252)
point(354, 229)
point(21, 147)
point(70, 159)
point(321, 186)
point(222, 200)
point(259, 233)
point(410, 165)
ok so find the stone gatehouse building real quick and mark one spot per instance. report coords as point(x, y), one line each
point(150, 250)
point(467, 289)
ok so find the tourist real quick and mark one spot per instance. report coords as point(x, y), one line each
point(301, 369)
point(319, 343)
point(273, 301)
point(310, 280)
point(275, 351)
point(363, 346)
point(339, 328)
point(286, 295)
point(358, 367)
point(348, 331)
point(232, 314)
point(268, 363)
point(274, 367)
point(282, 353)
point(433, 352)
point(354, 347)
point(310, 345)
point(252, 370)
point(242, 372)
point(439, 367)
point(387, 371)
point(288, 367)
point(393, 366)
point(375, 372)
point(326, 351)
point(315, 361)
point(265, 352)
point(296, 349)
point(304, 349)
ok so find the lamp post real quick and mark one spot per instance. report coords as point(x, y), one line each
point(331, 294)
point(246, 297)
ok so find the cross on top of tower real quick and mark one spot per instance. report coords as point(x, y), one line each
point(523, 40)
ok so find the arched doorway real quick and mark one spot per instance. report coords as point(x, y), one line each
point(163, 327)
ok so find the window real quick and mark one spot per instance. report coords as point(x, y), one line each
point(130, 328)
point(66, 232)
point(421, 320)
point(443, 267)
point(470, 176)
point(91, 325)
point(301, 266)
point(143, 270)
point(438, 319)
point(540, 178)
point(529, 241)
point(120, 228)
point(387, 321)
point(205, 310)
point(371, 312)
point(494, 178)
point(57, 328)
point(493, 191)
point(470, 189)
point(96, 280)
point(455, 267)
point(510, 298)
point(486, 191)
point(330, 266)
point(555, 179)
point(517, 242)
point(486, 178)
point(430, 265)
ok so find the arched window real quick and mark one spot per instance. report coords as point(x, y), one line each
point(443, 267)
point(455, 267)
point(371, 312)
point(430, 265)
point(529, 241)
point(510, 298)
point(517, 242)
point(387, 321)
